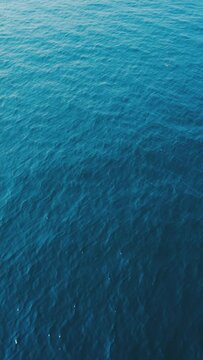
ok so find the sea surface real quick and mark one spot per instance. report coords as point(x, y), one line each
point(101, 180)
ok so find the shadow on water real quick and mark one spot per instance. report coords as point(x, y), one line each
point(105, 250)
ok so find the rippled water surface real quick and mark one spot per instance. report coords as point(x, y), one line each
point(101, 179)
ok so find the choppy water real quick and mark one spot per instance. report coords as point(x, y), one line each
point(101, 192)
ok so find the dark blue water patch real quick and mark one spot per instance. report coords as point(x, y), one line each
point(102, 216)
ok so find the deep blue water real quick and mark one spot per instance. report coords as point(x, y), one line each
point(101, 179)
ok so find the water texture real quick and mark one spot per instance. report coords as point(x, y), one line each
point(101, 179)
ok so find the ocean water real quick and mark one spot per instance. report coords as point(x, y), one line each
point(101, 179)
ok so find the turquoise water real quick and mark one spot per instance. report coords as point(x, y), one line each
point(101, 179)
